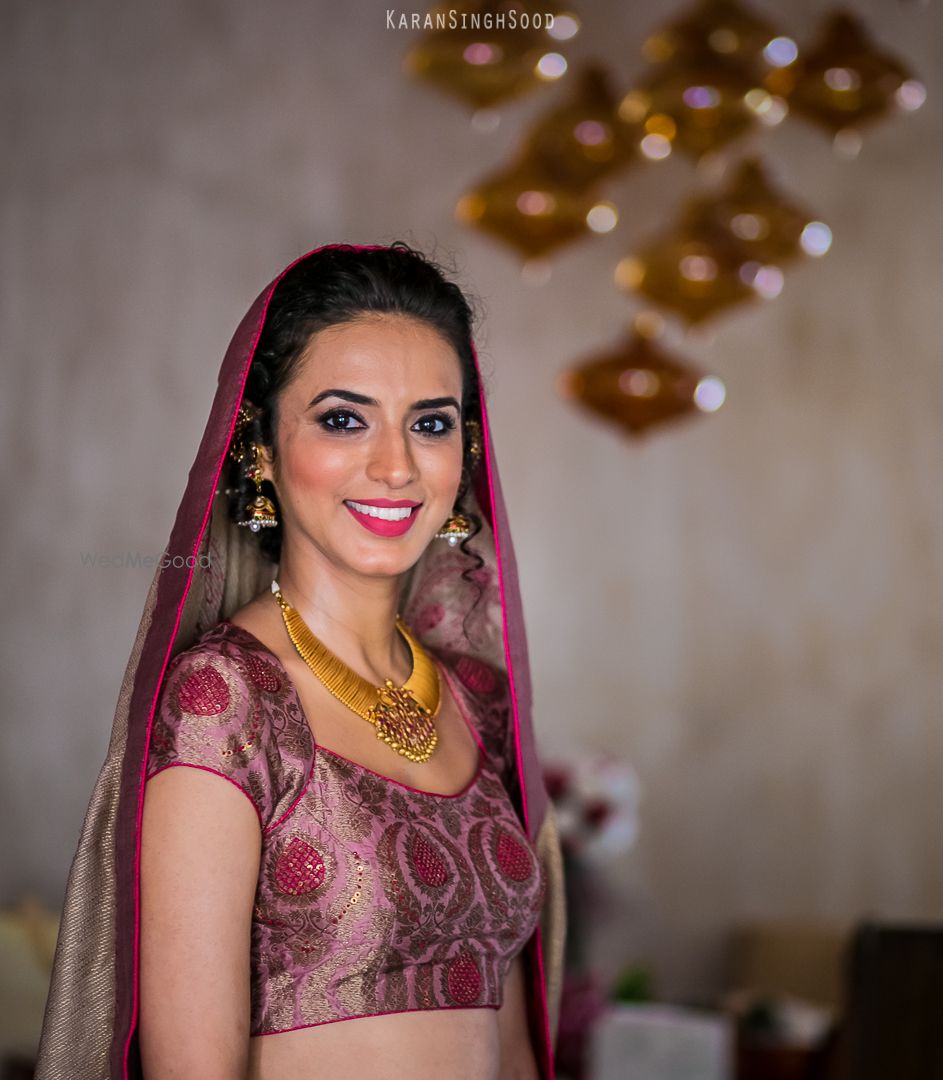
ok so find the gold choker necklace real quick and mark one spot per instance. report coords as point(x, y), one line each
point(404, 716)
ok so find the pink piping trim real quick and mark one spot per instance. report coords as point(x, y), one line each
point(150, 719)
point(370, 1016)
point(544, 1018)
point(504, 622)
point(215, 772)
point(414, 790)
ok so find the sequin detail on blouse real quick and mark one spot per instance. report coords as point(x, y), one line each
point(372, 897)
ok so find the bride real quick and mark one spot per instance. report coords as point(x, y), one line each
point(332, 849)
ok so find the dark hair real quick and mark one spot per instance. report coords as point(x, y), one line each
point(338, 284)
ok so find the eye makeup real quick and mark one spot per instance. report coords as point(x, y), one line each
point(330, 422)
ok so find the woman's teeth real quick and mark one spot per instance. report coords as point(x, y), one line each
point(388, 513)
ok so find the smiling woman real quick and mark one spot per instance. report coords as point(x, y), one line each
point(393, 446)
point(321, 800)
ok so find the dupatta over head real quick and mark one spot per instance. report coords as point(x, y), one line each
point(210, 569)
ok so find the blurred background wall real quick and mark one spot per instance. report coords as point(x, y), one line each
point(747, 607)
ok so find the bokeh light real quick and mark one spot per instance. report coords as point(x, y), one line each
point(710, 393)
point(781, 52)
point(816, 238)
point(655, 147)
point(603, 217)
point(551, 66)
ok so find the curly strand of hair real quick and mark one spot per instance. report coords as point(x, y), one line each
point(469, 571)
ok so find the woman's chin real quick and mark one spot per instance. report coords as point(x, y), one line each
point(388, 565)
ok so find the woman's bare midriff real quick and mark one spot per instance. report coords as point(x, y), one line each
point(436, 1044)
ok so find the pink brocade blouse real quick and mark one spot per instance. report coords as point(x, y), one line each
point(373, 897)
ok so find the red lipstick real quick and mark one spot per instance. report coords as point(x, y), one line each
point(387, 502)
point(381, 526)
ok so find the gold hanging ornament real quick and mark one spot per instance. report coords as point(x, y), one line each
point(757, 217)
point(403, 716)
point(726, 248)
point(726, 30)
point(483, 57)
point(583, 141)
point(710, 83)
point(694, 271)
point(638, 385)
point(846, 81)
point(698, 106)
point(525, 207)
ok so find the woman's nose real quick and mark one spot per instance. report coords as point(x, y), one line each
point(391, 460)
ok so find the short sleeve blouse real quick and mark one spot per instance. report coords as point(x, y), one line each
point(373, 896)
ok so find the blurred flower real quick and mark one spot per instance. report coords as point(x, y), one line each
point(596, 801)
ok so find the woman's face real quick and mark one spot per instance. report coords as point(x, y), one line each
point(372, 415)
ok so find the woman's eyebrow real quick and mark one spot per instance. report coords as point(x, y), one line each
point(362, 399)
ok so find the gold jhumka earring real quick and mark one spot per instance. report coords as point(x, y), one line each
point(457, 527)
point(261, 511)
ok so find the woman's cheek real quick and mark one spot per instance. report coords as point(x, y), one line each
point(314, 468)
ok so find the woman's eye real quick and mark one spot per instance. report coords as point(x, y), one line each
point(339, 420)
point(347, 420)
point(443, 419)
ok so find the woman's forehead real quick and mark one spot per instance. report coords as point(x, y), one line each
point(385, 350)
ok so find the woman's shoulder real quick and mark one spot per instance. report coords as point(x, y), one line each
point(225, 705)
point(231, 648)
point(224, 674)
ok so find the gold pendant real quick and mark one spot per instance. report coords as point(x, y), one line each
point(403, 724)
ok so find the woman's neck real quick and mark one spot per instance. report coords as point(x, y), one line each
point(354, 616)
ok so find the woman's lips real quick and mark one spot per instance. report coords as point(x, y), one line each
point(382, 526)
